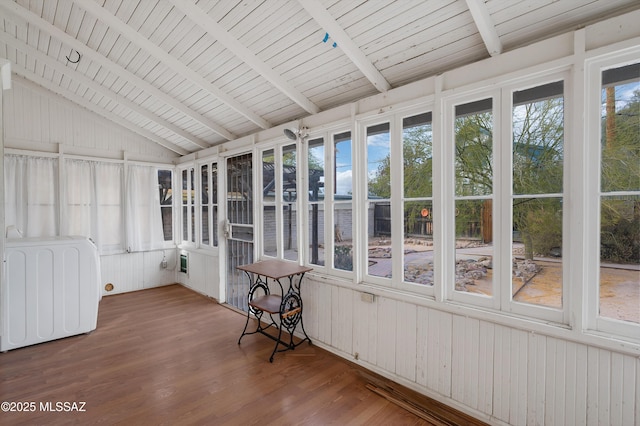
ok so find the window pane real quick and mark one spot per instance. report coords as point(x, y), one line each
point(418, 242)
point(619, 296)
point(204, 195)
point(316, 201)
point(289, 188)
point(474, 251)
point(269, 237)
point(343, 184)
point(473, 148)
point(185, 210)
point(290, 231)
point(538, 141)
point(379, 189)
point(343, 242)
point(417, 159)
point(289, 196)
point(268, 176)
point(342, 209)
point(213, 203)
point(621, 130)
point(316, 234)
point(474, 180)
point(538, 151)
point(620, 258)
point(537, 251)
point(417, 145)
point(166, 200)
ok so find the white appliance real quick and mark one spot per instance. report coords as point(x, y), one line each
point(51, 290)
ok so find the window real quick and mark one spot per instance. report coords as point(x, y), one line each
point(209, 204)
point(188, 205)
point(288, 204)
point(417, 160)
point(329, 219)
point(31, 195)
point(506, 221)
point(279, 201)
point(619, 220)
point(342, 218)
point(316, 201)
point(537, 200)
point(473, 198)
point(165, 185)
point(94, 203)
point(269, 227)
point(379, 200)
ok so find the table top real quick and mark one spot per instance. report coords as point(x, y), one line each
point(275, 269)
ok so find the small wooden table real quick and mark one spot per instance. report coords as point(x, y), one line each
point(287, 307)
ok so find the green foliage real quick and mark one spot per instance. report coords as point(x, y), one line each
point(343, 258)
point(539, 220)
point(474, 168)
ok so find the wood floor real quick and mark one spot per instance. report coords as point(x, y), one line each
point(170, 356)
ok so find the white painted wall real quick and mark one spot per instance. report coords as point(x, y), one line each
point(203, 272)
point(37, 119)
point(500, 373)
point(138, 271)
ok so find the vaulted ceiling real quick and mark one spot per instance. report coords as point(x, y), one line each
point(192, 74)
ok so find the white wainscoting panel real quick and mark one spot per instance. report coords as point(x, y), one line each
point(493, 371)
point(137, 271)
point(203, 272)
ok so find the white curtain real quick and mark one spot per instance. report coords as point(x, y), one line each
point(93, 207)
point(31, 195)
point(144, 219)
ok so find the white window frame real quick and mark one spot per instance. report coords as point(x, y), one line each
point(506, 190)
point(209, 204)
point(328, 134)
point(189, 239)
point(592, 195)
point(502, 210)
point(396, 199)
point(447, 206)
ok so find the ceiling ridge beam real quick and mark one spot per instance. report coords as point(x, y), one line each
point(62, 69)
point(168, 60)
point(26, 15)
point(79, 100)
point(217, 31)
point(484, 23)
point(322, 16)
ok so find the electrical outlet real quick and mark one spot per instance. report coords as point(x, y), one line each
point(163, 264)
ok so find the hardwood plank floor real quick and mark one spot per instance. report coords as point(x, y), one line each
point(170, 356)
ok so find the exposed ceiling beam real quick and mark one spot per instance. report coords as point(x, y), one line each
point(353, 52)
point(211, 26)
point(149, 47)
point(86, 81)
point(31, 76)
point(16, 10)
point(485, 26)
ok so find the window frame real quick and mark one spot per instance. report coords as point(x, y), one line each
point(593, 322)
point(502, 197)
point(396, 199)
point(189, 203)
point(568, 256)
point(210, 204)
point(329, 204)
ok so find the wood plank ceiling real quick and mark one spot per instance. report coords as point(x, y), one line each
point(192, 74)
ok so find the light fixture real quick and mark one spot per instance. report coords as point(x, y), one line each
point(295, 134)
